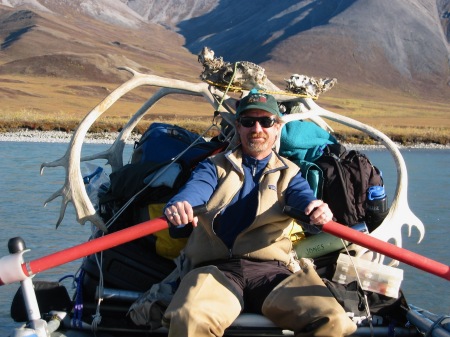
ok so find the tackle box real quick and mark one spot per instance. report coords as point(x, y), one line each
point(374, 277)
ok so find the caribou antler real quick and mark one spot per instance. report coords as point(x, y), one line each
point(245, 75)
point(73, 189)
point(309, 86)
point(399, 214)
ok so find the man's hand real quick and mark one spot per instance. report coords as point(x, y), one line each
point(180, 214)
point(319, 213)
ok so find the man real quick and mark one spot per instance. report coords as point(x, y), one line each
point(240, 248)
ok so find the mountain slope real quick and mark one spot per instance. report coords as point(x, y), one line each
point(77, 46)
point(390, 43)
point(375, 48)
point(170, 13)
point(109, 11)
point(57, 67)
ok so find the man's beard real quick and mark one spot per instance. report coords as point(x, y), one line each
point(258, 146)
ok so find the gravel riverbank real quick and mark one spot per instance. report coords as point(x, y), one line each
point(108, 138)
point(59, 137)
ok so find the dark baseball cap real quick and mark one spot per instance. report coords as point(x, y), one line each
point(256, 100)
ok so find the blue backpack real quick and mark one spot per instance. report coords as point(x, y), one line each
point(163, 142)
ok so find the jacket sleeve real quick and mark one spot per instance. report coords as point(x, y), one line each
point(199, 187)
point(299, 194)
point(196, 191)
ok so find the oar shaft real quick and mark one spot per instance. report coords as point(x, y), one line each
point(94, 246)
point(388, 249)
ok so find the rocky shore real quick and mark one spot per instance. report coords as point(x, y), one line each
point(59, 137)
point(108, 138)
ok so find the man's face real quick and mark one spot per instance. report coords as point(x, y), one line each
point(257, 140)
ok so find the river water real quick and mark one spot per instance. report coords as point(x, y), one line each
point(23, 192)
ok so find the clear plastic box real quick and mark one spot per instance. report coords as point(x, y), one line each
point(374, 277)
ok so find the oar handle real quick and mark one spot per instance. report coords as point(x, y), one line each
point(376, 245)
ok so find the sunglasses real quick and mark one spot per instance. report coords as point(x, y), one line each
point(265, 122)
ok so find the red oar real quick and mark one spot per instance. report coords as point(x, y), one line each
point(374, 244)
point(10, 272)
point(152, 226)
point(94, 246)
point(13, 269)
point(388, 249)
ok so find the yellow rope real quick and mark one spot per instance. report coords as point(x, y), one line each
point(287, 93)
point(229, 87)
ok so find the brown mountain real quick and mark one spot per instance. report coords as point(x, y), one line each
point(79, 47)
point(375, 49)
point(65, 62)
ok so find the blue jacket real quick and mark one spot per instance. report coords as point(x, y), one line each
point(241, 211)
